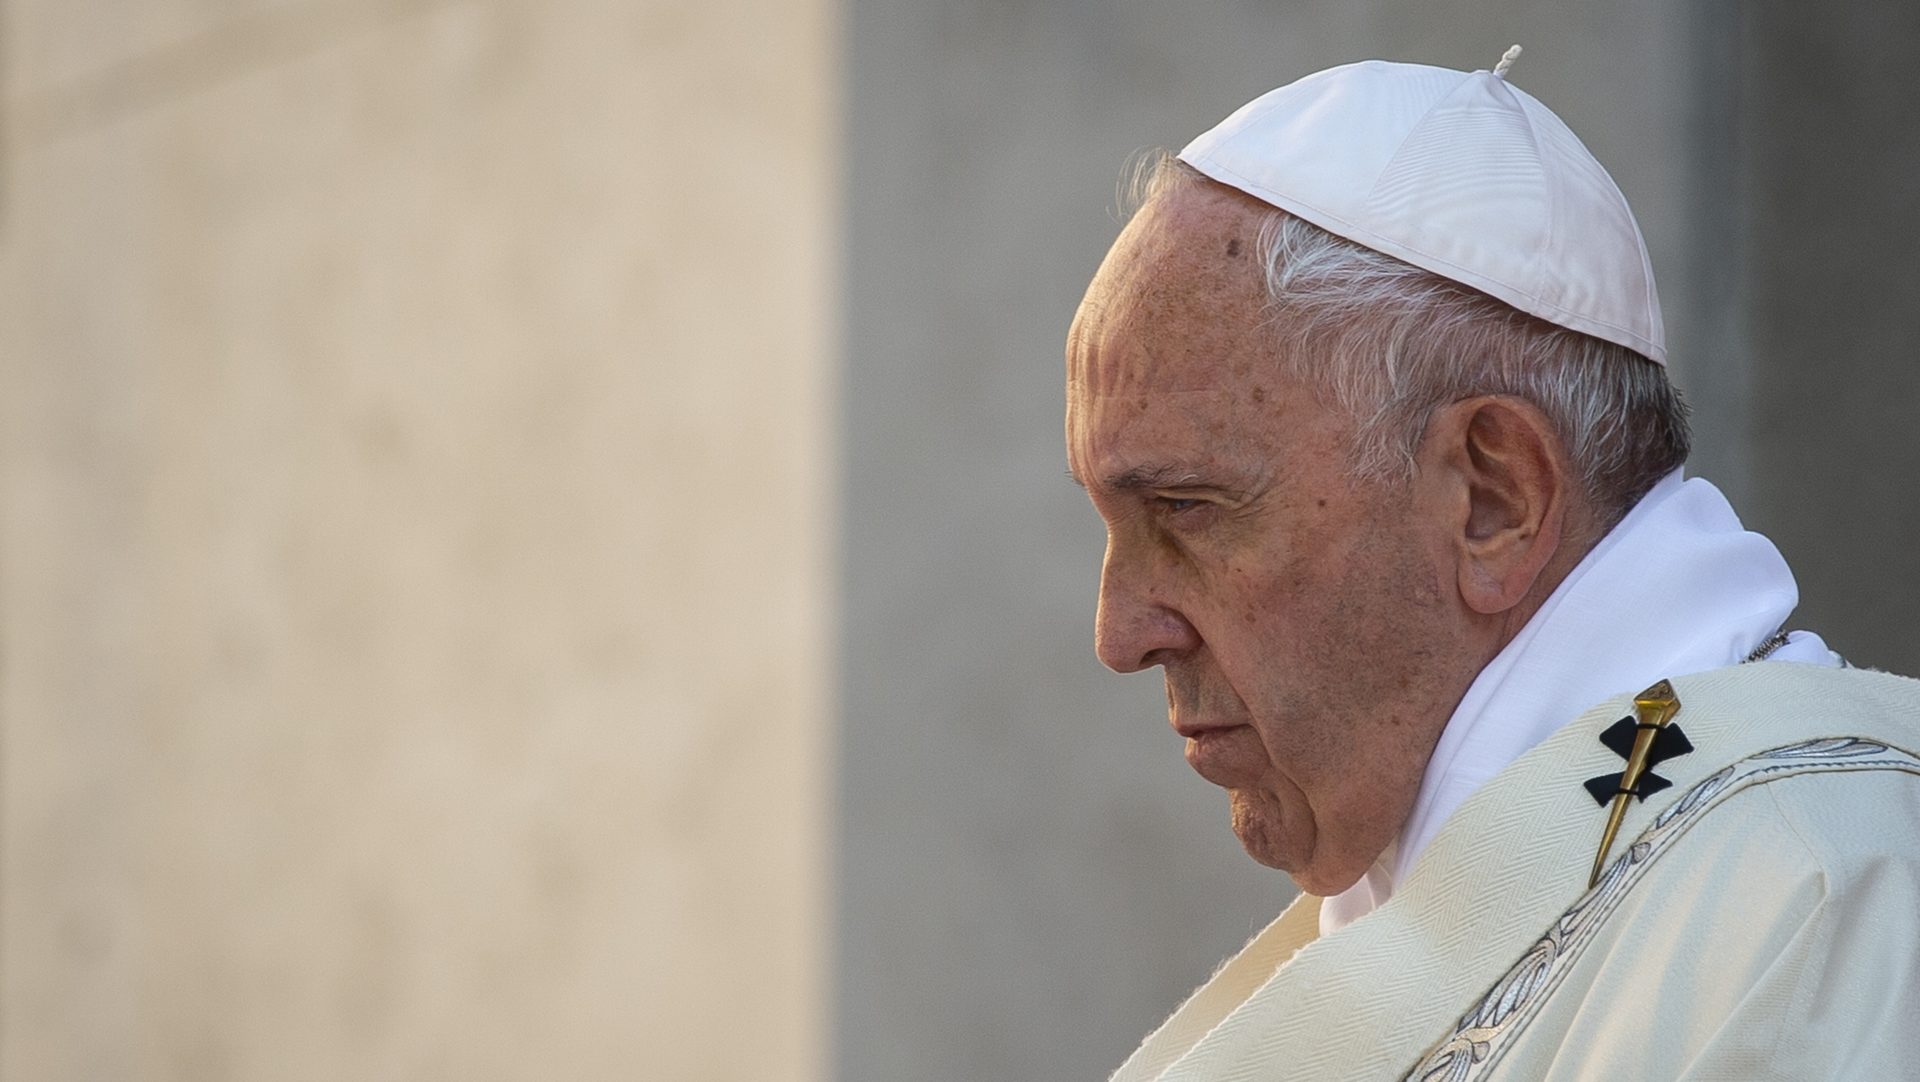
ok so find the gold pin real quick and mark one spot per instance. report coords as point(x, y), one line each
point(1653, 709)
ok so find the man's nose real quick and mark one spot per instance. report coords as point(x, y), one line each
point(1136, 628)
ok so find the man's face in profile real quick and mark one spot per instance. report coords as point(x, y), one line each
point(1295, 612)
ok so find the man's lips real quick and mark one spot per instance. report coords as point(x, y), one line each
point(1194, 730)
point(1215, 751)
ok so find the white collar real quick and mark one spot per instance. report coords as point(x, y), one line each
point(1681, 553)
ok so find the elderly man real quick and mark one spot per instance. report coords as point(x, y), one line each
point(1370, 395)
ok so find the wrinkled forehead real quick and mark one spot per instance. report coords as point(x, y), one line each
point(1178, 300)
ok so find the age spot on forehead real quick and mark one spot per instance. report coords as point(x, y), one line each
point(1233, 246)
point(1259, 393)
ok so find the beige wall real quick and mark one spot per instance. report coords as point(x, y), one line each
point(417, 522)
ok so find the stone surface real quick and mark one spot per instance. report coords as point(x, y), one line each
point(56, 45)
point(417, 506)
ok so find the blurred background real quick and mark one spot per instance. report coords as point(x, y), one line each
point(535, 542)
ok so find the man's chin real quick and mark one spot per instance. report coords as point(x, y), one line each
point(1267, 847)
point(1254, 826)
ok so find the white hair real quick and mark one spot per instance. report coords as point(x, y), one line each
point(1389, 343)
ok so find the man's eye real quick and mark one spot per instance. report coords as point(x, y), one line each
point(1173, 505)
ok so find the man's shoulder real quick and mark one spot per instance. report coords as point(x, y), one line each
point(1775, 922)
point(1848, 826)
point(1794, 700)
point(1824, 827)
point(1799, 779)
point(1835, 753)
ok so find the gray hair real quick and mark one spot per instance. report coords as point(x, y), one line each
point(1390, 343)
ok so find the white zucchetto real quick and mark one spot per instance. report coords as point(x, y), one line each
point(1459, 173)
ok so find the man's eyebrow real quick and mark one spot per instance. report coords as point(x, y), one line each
point(1144, 477)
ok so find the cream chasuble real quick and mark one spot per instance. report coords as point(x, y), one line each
point(1758, 919)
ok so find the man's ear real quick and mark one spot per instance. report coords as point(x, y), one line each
point(1507, 484)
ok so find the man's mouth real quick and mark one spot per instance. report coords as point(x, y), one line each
point(1193, 730)
point(1216, 753)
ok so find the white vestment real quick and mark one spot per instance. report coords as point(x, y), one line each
point(1758, 919)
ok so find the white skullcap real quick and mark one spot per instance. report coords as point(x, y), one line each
point(1460, 174)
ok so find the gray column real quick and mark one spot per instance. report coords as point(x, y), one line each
point(1830, 146)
